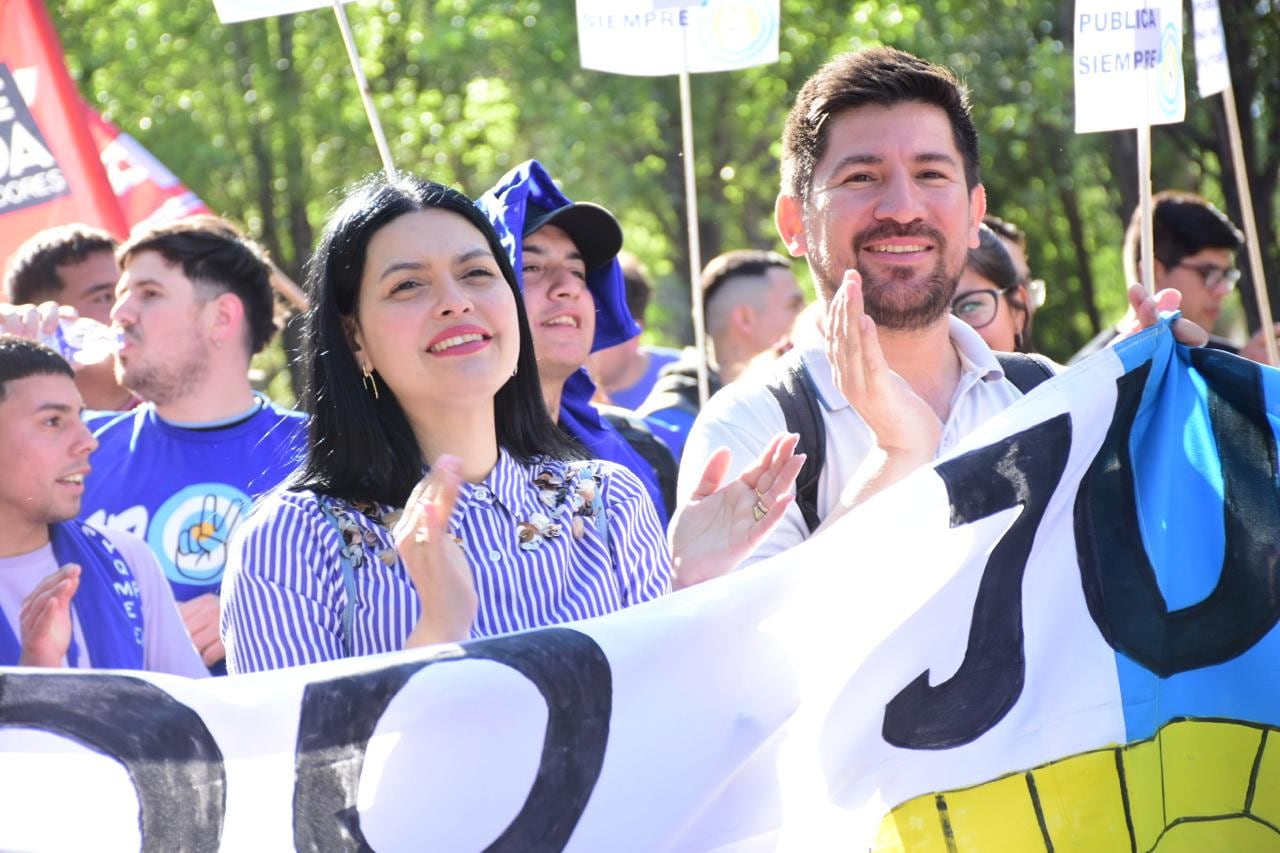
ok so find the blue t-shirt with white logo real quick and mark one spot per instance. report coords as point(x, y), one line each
point(185, 490)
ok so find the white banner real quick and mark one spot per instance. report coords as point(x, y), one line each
point(1212, 73)
point(975, 660)
point(1128, 64)
point(234, 11)
point(655, 37)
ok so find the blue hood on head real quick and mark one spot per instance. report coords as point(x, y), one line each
point(505, 205)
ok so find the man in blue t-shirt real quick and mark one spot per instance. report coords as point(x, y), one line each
point(193, 305)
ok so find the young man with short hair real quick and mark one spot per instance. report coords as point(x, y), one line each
point(194, 305)
point(1195, 247)
point(70, 594)
point(73, 265)
point(751, 301)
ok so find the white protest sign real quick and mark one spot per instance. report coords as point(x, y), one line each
point(1128, 64)
point(234, 11)
point(647, 38)
point(1212, 73)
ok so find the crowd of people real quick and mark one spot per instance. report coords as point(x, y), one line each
point(483, 445)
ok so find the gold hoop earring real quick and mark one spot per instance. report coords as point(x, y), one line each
point(370, 384)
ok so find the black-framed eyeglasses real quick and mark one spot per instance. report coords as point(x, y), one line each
point(1212, 276)
point(977, 307)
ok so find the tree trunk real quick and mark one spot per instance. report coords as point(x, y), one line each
point(1088, 292)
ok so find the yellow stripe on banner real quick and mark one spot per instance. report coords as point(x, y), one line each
point(916, 825)
point(1207, 766)
point(1198, 786)
point(997, 816)
point(1223, 835)
point(1145, 789)
point(1265, 802)
point(1082, 803)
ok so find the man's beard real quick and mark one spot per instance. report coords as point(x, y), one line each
point(887, 299)
point(166, 382)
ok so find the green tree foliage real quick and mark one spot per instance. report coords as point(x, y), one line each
point(263, 120)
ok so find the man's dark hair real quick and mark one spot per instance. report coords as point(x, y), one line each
point(32, 273)
point(1183, 224)
point(20, 358)
point(638, 288)
point(881, 76)
point(216, 257)
point(739, 263)
point(1007, 230)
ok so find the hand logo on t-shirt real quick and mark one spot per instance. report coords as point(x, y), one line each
point(204, 542)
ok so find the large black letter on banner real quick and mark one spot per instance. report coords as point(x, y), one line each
point(339, 716)
point(1022, 470)
point(1119, 581)
point(169, 754)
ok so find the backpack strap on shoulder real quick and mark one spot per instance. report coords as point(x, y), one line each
point(795, 392)
point(635, 430)
point(1023, 370)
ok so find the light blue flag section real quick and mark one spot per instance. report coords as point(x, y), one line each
point(1182, 514)
point(1061, 635)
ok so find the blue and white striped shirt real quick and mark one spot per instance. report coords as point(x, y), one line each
point(548, 542)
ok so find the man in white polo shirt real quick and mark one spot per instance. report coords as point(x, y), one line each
point(881, 195)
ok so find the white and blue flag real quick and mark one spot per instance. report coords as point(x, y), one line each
point(1063, 635)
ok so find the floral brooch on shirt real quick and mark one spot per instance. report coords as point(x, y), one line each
point(576, 489)
point(356, 537)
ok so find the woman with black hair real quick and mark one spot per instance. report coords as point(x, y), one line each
point(990, 297)
point(418, 357)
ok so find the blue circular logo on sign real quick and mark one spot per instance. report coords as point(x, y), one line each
point(190, 532)
point(737, 30)
point(1169, 74)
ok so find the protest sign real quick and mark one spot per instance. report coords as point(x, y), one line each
point(1128, 64)
point(234, 11)
point(648, 38)
point(1212, 73)
point(659, 37)
point(1063, 635)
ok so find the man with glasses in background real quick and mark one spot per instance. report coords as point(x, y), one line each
point(1195, 248)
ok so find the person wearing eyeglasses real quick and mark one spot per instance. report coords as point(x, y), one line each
point(990, 297)
point(1014, 239)
point(1195, 247)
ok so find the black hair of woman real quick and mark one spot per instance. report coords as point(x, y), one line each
point(361, 447)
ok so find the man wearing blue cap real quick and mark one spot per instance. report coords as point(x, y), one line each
point(565, 254)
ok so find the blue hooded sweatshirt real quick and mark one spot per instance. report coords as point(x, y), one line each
point(505, 204)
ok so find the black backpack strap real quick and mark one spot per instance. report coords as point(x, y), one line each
point(650, 447)
point(1024, 371)
point(795, 392)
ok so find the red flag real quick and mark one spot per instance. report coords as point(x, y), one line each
point(50, 170)
point(144, 188)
